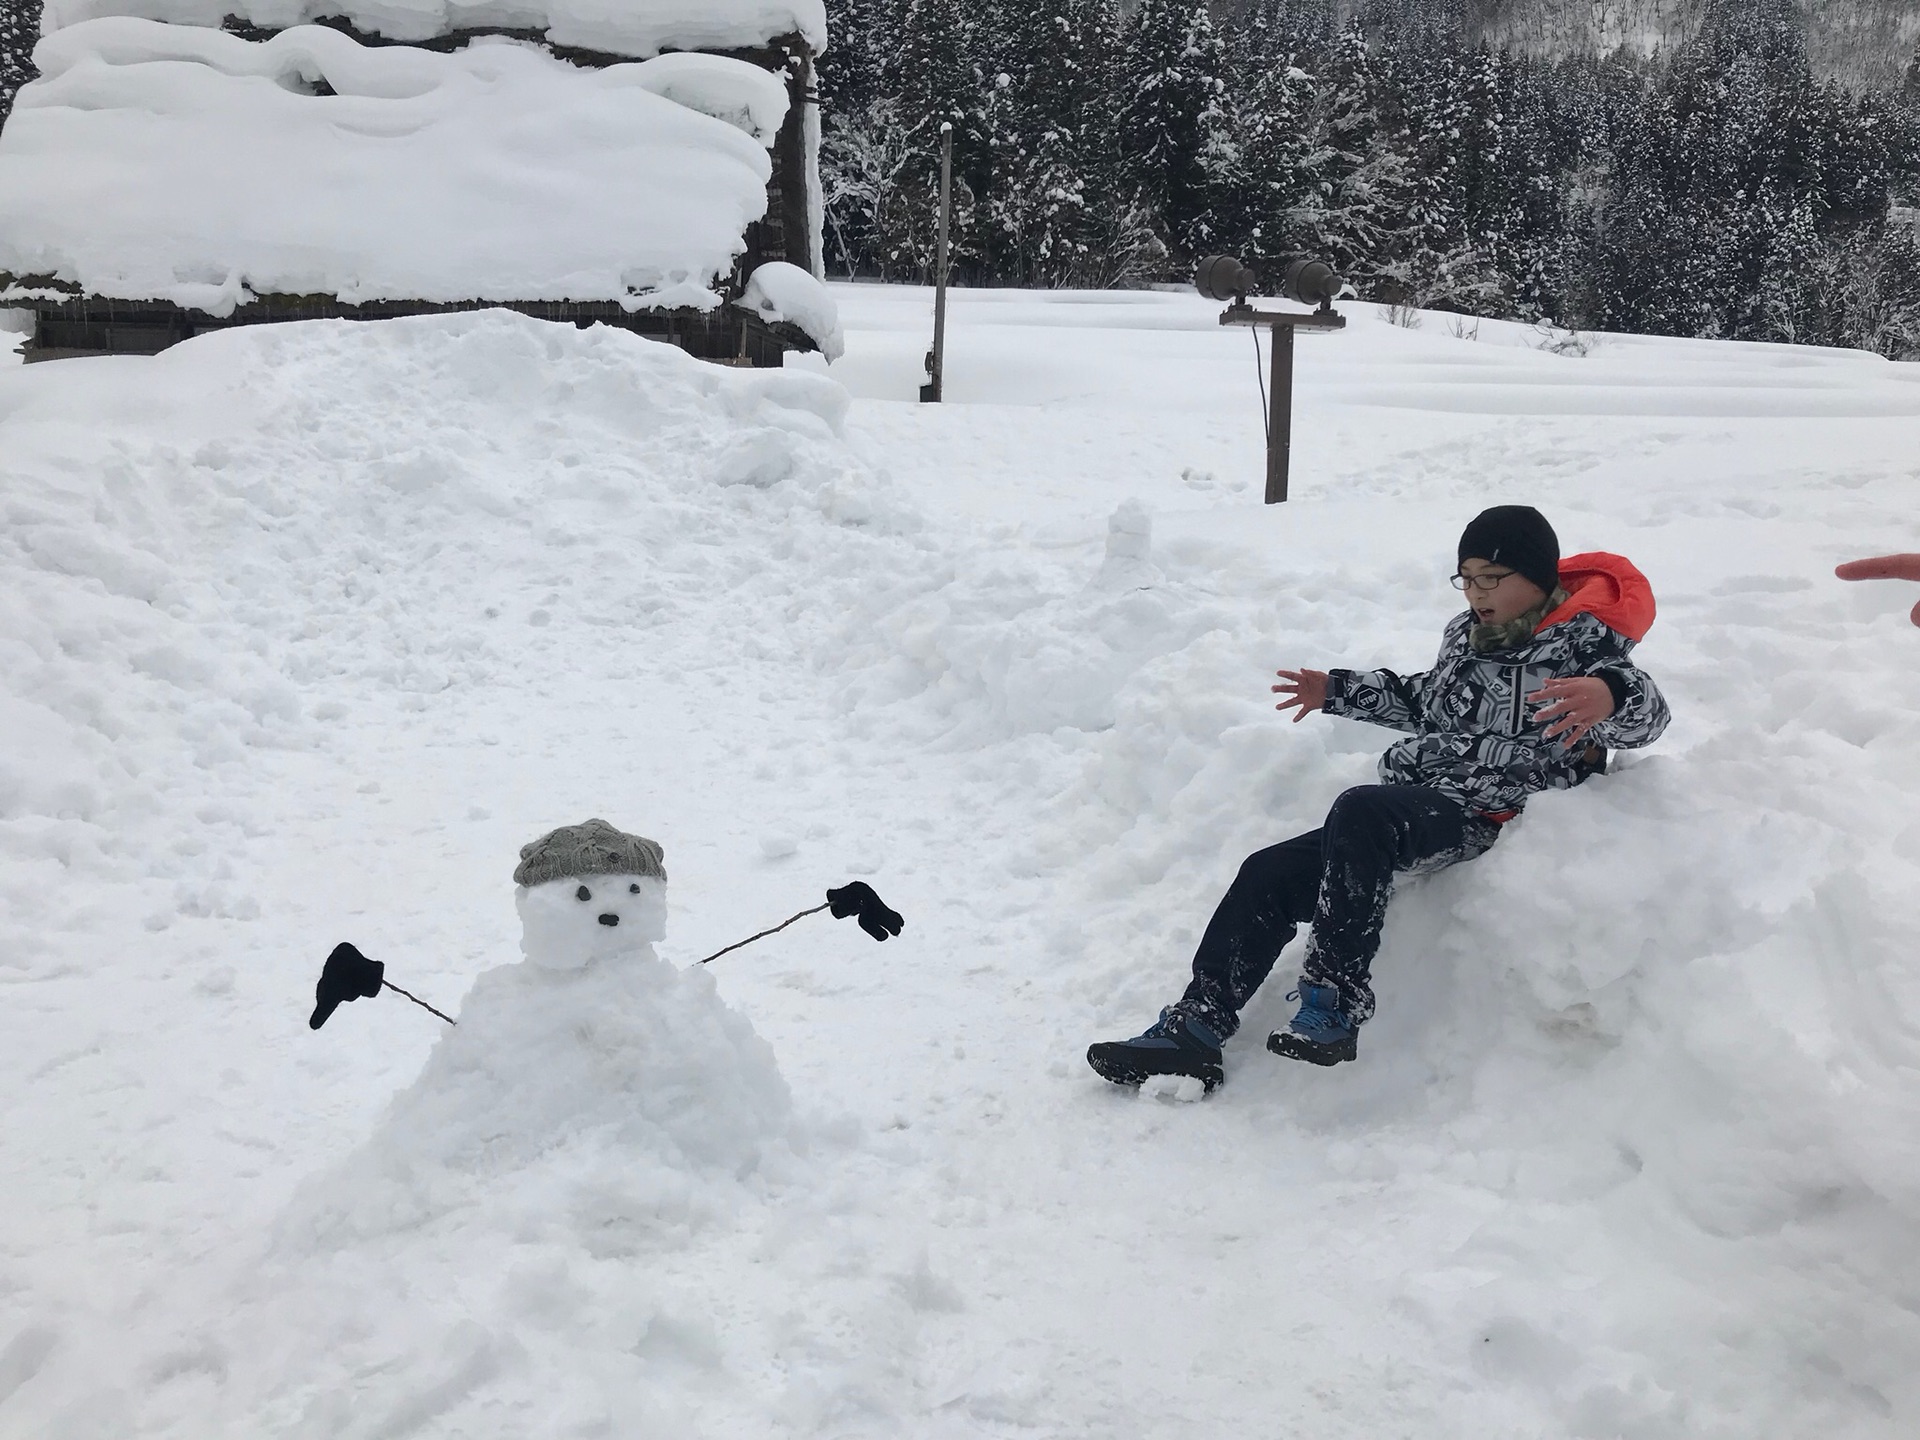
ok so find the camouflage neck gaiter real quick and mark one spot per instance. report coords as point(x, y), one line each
point(1485, 639)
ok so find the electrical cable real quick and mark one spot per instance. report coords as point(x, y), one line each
point(1260, 374)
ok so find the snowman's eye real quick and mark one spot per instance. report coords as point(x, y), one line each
point(583, 893)
point(633, 889)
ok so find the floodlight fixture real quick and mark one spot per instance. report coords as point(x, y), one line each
point(1223, 278)
point(1311, 282)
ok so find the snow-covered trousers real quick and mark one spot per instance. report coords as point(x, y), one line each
point(1338, 878)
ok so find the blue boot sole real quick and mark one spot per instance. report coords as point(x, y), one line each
point(1294, 1047)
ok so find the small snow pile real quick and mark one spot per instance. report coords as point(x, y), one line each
point(640, 28)
point(1129, 564)
point(779, 291)
point(164, 162)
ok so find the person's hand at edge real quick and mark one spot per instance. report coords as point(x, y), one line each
point(1884, 567)
point(1304, 692)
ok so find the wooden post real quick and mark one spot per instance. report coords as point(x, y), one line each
point(1280, 415)
point(930, 392)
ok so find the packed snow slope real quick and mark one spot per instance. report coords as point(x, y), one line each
point(306, 630)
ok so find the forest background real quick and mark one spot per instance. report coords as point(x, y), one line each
point(1711, 188)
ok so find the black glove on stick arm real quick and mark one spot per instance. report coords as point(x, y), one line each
point(858, 899)
point(349, 975)
point(855, 899)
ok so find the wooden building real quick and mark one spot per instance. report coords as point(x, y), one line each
point(75, 318)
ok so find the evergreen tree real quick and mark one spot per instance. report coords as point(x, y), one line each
point(19, 33)
point(936, 76)
point(1173, 124)
point(1268, 58)
point(1356, 208)
point(863, 148)
point(1056, 163)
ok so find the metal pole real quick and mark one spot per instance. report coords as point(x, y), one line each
point(1280, 422)
point(937, 357)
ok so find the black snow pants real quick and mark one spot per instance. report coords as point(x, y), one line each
point(1338, 878)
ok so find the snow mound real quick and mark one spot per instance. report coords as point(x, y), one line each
point(595, 1208)
point(161, 162)
point(567, 1151)
point(640, 28)
point(780, 291)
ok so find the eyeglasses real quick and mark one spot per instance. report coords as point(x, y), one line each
point(1482, 583)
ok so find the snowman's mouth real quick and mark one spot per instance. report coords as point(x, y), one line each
point(609, 919)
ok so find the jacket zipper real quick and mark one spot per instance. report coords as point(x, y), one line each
point(1519, 683)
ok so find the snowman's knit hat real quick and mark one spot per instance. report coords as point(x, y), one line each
point(591, 848)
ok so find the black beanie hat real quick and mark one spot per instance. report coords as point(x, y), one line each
point(1517, 536)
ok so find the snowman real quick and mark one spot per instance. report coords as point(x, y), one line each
point(591, 1039)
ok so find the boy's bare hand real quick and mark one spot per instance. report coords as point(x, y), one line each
point(1571, 706)
point(1304, 692)
point(1884, 567)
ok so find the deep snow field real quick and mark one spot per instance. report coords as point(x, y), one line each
point(304, 632)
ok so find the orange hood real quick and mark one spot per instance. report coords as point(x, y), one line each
point(1609, 588)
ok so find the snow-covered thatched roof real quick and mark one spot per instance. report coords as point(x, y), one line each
point(182, 164)
point(640, 28)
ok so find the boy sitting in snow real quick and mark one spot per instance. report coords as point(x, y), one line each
point(1540, 631)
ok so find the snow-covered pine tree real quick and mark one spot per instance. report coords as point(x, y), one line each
point(1357, 208)
point(1054, 198)
point(1438, 95)
point(863, 147)
point(936, 75)
point(19, 33)
point(1269, 58)
point(1173, 124)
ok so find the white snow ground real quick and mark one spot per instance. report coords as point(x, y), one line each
point(304, 632)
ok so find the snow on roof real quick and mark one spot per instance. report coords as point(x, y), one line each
point(778, 291)
point(640, 28)
point(170, 163)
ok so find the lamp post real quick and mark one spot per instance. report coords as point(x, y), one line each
point(1310, 282)
point(937, 356)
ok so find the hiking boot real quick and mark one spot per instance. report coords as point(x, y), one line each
point(1175, 1044)
point(1320, 1034)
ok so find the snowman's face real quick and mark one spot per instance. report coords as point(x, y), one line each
point(568, 924)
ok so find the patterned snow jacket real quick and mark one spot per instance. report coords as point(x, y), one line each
point(1474, 736)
